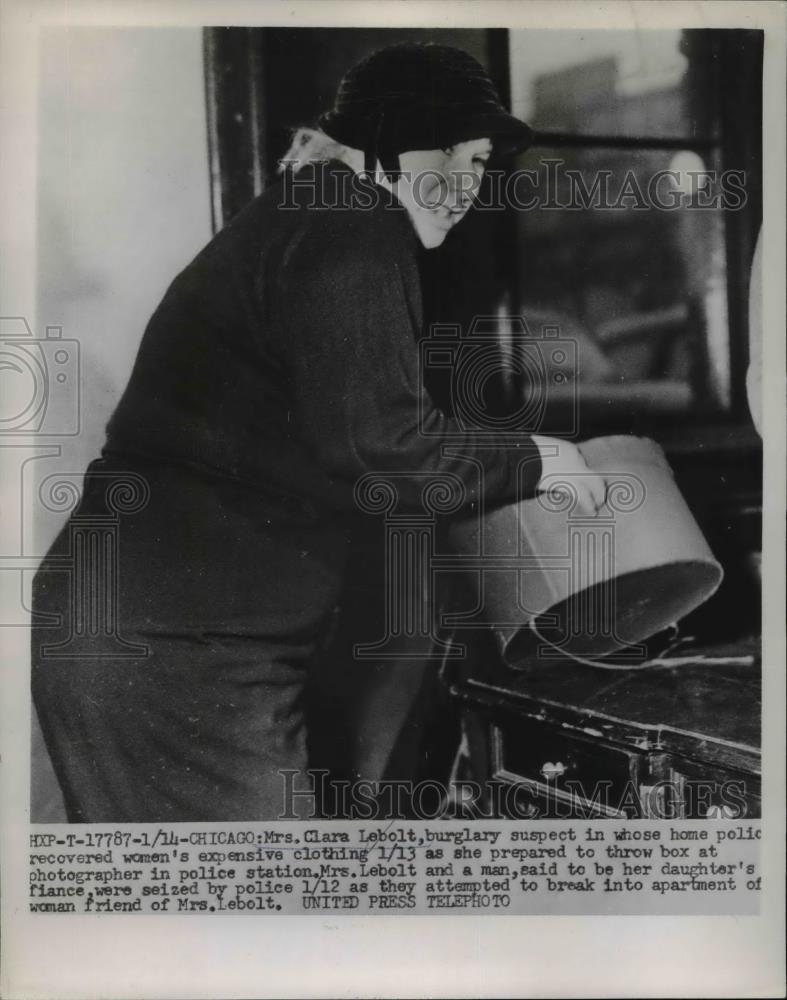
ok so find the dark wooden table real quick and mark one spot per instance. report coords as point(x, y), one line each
point(569, 739)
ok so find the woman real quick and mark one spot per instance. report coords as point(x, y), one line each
point(280, 367)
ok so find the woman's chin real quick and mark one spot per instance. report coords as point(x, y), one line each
point(431, 236)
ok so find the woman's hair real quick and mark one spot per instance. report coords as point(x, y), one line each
point(311, 145)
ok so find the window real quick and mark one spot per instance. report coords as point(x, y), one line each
point(638, 209)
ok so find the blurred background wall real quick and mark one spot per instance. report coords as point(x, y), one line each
point(123, 198)
point(123, 205)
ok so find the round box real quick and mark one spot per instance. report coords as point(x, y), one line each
point(591, 584)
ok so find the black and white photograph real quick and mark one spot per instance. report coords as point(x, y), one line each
point(392, 410)
point(430, 322)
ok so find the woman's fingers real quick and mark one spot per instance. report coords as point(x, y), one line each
point(585, 497)
point(588, 488)
point(562, 460)
point(598, 489)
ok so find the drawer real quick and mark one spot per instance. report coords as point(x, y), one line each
point(564, 773)
point(715, 793)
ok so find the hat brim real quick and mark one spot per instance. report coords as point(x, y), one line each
point(508, 134)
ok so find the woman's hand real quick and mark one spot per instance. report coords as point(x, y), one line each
point(562, 465)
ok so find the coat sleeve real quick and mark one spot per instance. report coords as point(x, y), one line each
point(352, 318)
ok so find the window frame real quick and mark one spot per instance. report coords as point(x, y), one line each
point(735, 54)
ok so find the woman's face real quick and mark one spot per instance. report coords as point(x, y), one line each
point(438, 186)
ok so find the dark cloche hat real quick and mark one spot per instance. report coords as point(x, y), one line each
point(419, 96)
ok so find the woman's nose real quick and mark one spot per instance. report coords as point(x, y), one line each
point(463, 184)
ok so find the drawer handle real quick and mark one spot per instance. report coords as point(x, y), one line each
point(551, 771)
point(721, 812)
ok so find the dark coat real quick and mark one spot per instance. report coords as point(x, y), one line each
point(281, 365)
